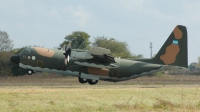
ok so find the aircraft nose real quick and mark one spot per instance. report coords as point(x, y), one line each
point(15, 59)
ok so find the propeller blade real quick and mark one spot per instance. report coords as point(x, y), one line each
point(68, 46)
point(68, 58)
point(63, 47)
point(65, 61)
point(67, 53)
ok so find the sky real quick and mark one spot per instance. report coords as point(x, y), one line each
point(136, 22)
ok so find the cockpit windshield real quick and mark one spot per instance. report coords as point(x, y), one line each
point(25, 51)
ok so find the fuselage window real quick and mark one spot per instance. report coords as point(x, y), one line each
point(33, 57)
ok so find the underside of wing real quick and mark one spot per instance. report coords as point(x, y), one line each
point(97, 65)
point(101, 58)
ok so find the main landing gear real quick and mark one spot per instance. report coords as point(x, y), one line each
point(82, 80)
point(90, 81)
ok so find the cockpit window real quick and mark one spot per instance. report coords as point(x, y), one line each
point(28, 50)
point(25, 51)
point(22, 51)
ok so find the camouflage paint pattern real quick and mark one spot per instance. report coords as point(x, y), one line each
point(44, 51)
point(173, 52)
point(170, 56)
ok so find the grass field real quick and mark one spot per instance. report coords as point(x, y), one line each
point(39, 94)
point(99, 98)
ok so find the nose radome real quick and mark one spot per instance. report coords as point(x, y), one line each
point(15, 59)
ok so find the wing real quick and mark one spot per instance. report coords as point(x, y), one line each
point(100, 58)
point(97, 65)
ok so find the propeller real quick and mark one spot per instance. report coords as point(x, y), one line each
point(67, 52)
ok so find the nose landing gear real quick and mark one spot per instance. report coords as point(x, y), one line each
point(30, 72)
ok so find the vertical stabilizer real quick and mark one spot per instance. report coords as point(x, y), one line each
point(174, 50)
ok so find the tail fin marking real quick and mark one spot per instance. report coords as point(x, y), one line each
point(174, 50)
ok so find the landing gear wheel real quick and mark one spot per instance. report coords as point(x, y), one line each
point(92, 82)
point(30, 72)
point(82, 80)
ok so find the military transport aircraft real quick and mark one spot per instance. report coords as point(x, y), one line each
point(98, 63)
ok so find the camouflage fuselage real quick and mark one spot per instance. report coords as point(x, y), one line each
point(98, 63)
point(42, 58)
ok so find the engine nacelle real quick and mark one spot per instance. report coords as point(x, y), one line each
point(81, 55)
point(99, 51)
